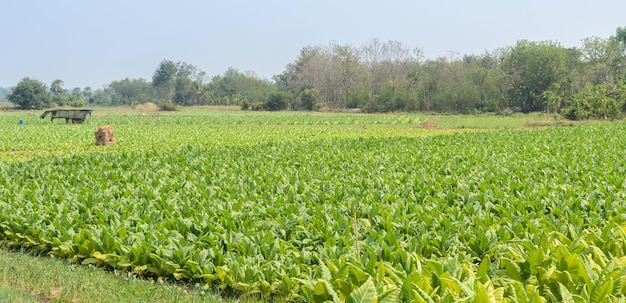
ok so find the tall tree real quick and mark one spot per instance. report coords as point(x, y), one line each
point(130, 91)
point(372, 56)
point(184, 91)
point(533, 67)
point(620, 36)
point(58, 94)
point(164, 78)
point(235, 87)
point(331, 70)
point(56, 87)
point(172, 81)
point(87, 93)
point(30, 94)
point(602, 60)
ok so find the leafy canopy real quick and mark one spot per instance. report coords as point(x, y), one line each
point(30, 94)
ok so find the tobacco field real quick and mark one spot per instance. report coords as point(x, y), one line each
point(305, 210)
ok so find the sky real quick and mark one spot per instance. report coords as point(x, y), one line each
point(92, 43)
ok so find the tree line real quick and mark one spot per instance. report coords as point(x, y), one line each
point(383, 76)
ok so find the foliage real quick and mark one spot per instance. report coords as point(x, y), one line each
point(318, 106)
point(235, 88)
point(30, 94)
point(56, 87)
point(277, 101)
point(532, 68)
point(553, 98)
point(307, 98)
point(184, 92)
point(165, 74)
point(78, 103)
point(388, 76)
point(167, 106)
point(603, 61)
point(128, 91)
point(175, 82)
point(332, 70)
point(596, 102)
point(522, 216)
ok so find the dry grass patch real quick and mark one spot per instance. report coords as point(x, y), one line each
point(147, 107)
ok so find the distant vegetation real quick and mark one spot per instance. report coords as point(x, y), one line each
point(383, 76)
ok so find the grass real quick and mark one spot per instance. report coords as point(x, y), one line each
point(26, 278)
point(8, 294)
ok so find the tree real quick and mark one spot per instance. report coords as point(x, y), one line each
point(163, 79)
point(76, 92)
point(101, 96)
point(553, 97)
point(277, 101)
point(237, 88)
point(184, 91)
point(172, 82)
point(602, 60)
point(307, 98)
point(332, 70)
point(200, 92)
point(87, 92)
point(311, 68)
point(58, 94)
point(532, 68)
point(595, 102)
point(30, 94)
point(620, 36)
point(56, 87)
point(130, 91)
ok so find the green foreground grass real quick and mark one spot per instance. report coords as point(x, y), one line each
point(26, 278)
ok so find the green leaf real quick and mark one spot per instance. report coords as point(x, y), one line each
point(450, 284)
point(323, 292)
point(94, 261)
point(519, 293)
point(409, 283)
point(483, 270)
point(98, 255)
point(419, 293)
point(485, 293)
point(513, 270)
point(566, 295)
point(390, 296)
point(366, 293)
point(357, 276)
point(601, 291)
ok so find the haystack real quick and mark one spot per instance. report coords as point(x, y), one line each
point(104, 135)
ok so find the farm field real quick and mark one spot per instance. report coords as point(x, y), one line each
point(326, 206)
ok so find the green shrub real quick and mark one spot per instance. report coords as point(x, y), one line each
point(594, 102)
point(167, 106)
point(277, 101)
point(318, 106)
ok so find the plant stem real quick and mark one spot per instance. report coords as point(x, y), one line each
point(356, 234)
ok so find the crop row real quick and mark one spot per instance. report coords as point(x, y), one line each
point(23, 142)
point(518, 215)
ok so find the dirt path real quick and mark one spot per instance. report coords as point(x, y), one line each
point(431, 123)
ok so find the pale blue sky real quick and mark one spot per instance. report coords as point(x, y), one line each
point(91, 43)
